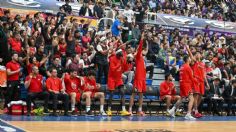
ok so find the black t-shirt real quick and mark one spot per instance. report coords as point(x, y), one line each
point(61, 16)
point(67, 8)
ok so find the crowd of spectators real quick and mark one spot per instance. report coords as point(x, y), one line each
point(56, 42)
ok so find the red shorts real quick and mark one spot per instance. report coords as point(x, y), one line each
point(199, 88)
point(185, 89)
point(140, 85)
point(78, 95)
point(112, 84)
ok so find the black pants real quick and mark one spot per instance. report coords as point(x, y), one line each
point(60, 96)
point(102, 69)
point(150, 69)
point(214, 105)
point(230, 101)
point(31, 96)
point(12, 93)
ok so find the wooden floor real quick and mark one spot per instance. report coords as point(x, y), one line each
point(126, 126)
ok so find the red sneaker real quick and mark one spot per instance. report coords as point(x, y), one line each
point(141, 113)
point(198, 115)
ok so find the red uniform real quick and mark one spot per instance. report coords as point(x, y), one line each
point(199, 75)
point(140, 73)
point(13, 66)
point(167, 88)
point(92, 86)
point(54, 84)
point(186, 80)
point(15, 45)
point(35, 84)
point(116, 67)
point(72, 86)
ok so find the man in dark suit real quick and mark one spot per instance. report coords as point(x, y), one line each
point(230, 97)
point(214, 96)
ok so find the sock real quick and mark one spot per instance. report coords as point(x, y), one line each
point(109, 108)
point(130, 109)
point(139, 109)
point(173, 108)
point(87, 108)
point(72, 107)
point(123, 108)
point(101, 108)
point(188, 114)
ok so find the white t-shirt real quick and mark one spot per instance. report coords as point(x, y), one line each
point(129, 14)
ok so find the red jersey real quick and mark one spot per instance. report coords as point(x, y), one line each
point(72, 84)
point(92, 85)
point(140, 73)
point(35, 84)
point(15, 45)
point(199, 71)
point(167, 88)
point(186, 75)
point(116, 67)
point(54, 84)
point(13, 66)
point(62, 49)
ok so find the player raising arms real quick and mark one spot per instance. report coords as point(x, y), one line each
point(116, 68)
point(139, 79)
point(198, 68)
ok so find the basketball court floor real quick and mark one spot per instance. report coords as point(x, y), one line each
point(115, 124)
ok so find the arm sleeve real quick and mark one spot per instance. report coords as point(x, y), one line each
point(48, 84)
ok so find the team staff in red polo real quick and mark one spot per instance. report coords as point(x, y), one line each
point(168, 94)
point(139, 78)
point(186, 85)
point(34, 85)
point(54, 87)
point(13, 74)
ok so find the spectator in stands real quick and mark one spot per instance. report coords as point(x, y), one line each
point(98, 10)
point(169, 95)
point(15, 43)
point(6, 16)
point(13, 74)
point(35, 87)
point(56, 91)
point(76, 63)
point(230, 97)
point(91, 90)
point(101, 59)
point(72, 84)
point(85, 10)
point(129, 14)
point(56, 65)
point(61, 15)
point(67, 8)
point(116, 27)
point(214, 96)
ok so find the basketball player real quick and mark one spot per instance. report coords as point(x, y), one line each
point(198, 68)
point(139, 79)
point(186, 85)
point(116, 68)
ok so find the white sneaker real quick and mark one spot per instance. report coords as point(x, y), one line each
point(103, 113)
point(171, 112)
point(189, 117)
